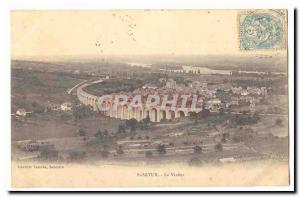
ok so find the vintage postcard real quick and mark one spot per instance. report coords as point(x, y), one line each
point(149, 98)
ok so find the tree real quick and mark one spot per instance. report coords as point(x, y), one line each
point(146, 120)
point(161, 149)
point(222, 111)
point(105, 133)
point(278, 122)
point(77, 155)
point(37, 108)
point(244, 135)
point(195, 122)
point(48, 152)
point(132, 129)
point(204, 113)
point(193, 115)
point(121, 129)
point(81, 112)
point(81, 132)
point(132, 123)
point(65, 116)
point(195, 161)
point(98, 134)
point(255, 117)
point(120, 150)
point(246, 119)
point(219, 147)
point(197, 149)
point(224, 138)
point(171, 144)
point(145, 123)
point(148, 154)
point(104, 152)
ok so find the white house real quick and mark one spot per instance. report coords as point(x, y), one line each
point(171, 84)
point(67, 106)
point(244, 92)
point(149, 86)
point(21, 112)
point(213, 105)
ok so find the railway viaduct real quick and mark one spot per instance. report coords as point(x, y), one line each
point(126, 111)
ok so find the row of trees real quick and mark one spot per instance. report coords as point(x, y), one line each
point(203, 114)
point(133, 124)
point(245, 119)
point(161, 150)
point(82, 111)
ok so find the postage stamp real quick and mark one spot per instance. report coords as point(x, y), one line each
point(262, 30)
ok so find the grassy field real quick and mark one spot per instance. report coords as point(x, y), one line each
point(123, 84)
point(30, 88)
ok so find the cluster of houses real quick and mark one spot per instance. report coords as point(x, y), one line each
point(66, 106)
point(249, 91)
point(234, 96)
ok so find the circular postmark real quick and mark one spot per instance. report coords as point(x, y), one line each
point(260, 31)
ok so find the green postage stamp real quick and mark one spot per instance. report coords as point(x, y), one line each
point(263, 29)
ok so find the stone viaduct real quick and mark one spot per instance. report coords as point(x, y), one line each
point(126, 112)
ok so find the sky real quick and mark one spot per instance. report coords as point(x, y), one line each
point(126, 32)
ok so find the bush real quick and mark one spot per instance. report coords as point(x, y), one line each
point(148, 154)
point(104, 153)
point(161, 149)
point(224, 138)
point(77, 155)
point(81, 112)
point(120, 150)
point(194, 115)
point(204, 113)
point(245, 119)
point(219, 147)
point(197, 149)
point(37, 108)
point(98, 134)
point(81, 132)
point(121, 129)
point(278, 122)
point(195, 161)
point(244, 135)
point(65, 116)
point(132, 123)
